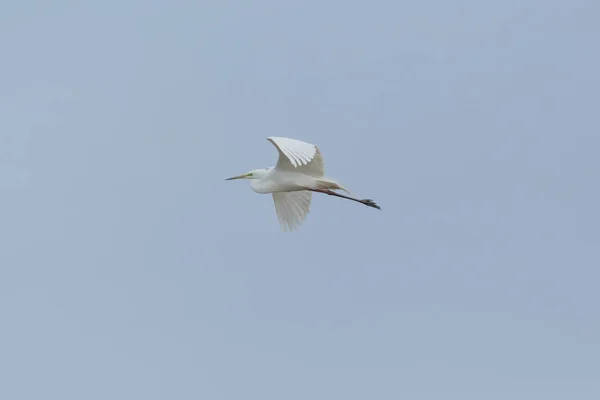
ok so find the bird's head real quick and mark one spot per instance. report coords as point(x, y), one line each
point(254, 174)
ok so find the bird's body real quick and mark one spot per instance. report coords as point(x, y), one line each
point(298, 173)
point(274, 180)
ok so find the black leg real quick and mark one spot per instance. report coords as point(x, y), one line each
point(366, 202)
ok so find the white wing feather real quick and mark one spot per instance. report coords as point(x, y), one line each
point(296, 155)
point(292, 208)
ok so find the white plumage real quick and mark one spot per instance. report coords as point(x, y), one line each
point(299, 172)
point(292, 208)
point(301, 156)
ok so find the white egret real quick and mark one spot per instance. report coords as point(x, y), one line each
point(298, 173)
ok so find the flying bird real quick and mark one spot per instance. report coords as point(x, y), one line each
point(299, 172)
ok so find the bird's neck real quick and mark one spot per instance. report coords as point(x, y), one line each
point(260, 184)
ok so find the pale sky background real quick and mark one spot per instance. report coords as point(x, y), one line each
point(131, 270)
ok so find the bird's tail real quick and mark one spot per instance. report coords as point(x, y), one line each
point(326, 183)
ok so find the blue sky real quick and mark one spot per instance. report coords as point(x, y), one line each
point(130, 269)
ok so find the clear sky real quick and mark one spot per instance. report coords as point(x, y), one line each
point(129, 269)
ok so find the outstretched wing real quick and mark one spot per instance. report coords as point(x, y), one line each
point(296, 155)
point(292, 208)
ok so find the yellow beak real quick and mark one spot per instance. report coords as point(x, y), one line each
point(237, 177)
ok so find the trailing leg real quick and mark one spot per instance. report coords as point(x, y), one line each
point(366, 202)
